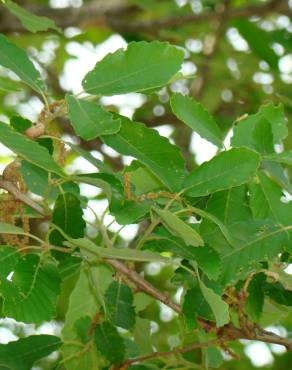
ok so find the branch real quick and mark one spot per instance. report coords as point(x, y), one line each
point(153, 26)
point(94, 13)
point(143, 285)
point(18, 195)
point(175, 351)
point(269, 337)
point(229, 332)
point(225, 334)
point(116, 14)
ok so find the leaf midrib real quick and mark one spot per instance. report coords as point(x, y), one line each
point(264, 236)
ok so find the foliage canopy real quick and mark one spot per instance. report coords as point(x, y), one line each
point(217, 234)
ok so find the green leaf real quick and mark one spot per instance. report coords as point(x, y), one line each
point(83, 326)
point(151, 149)
point(255, 300)
point(69, 266)
point(11, 229)
point(214, 358)
point(206, 257)
point(197, 118)
point(194, 306)
point(132, 349)
point(142, 367)
point(284, 157)
point(273, 312)
point(119, 305)
point(30, 296)
point(16, 60)
point(125, 212)
point(85, 300)
point(9, 257)
point(67, 214)
point(95, 180)
point(274, 114)
point(131, 255)
point(219, 308)
point(109, 343)
point(263, 136)
point(220, 210)
point(31, 22)
point(142, 301)
point(243, 132)
point(20, 124)
point(263, 142)
point(38, 182)
point(23, 353)
point(112, 252)
point(230, 205)
point(179, 228)
point(256, 241)
point(142, 179)
point(209, 261)
point(130, 211)
point(141, 334)
point(277, 173)
point(259, 136)
point(143, 66)
point(103, 167)
point(259, 41)
point(278, 293)
point(266, 203)
point(89, 119)
point(7, 85)
point(227, 170)
point(208, 216)
point(28, 149)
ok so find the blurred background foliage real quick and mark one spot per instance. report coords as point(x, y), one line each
point(238, 56)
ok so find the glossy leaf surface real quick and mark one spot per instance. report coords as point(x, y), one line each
point(89, 119)
point(143, 66)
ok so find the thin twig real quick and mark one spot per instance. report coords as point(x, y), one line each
point(18, 195)
point(175, 351)
point(143, 285)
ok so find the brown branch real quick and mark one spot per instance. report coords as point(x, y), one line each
point(116, 14)
point(91, 14)
point(143, 285)
point(225, 334)
point(269, 337)
point(175, 351)
point(231, 334)
point(18, 195)
point(152, 26)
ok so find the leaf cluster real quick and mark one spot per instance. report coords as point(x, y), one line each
point(220, 232)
